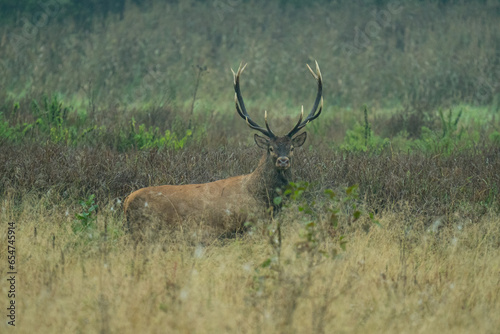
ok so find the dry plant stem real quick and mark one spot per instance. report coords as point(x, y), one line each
point(453, 286)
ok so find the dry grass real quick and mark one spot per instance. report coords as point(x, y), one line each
point(396, 279)
point(432, 185)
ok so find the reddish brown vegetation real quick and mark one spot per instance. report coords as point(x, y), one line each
point(430, 185)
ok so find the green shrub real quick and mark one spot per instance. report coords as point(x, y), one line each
point(141, 137)
point(449, 138)
point(86, 220)
point(7, 132)
point(362, 139)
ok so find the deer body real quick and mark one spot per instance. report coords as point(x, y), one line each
point(224, 205)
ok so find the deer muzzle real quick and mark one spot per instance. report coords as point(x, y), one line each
point(283, 162)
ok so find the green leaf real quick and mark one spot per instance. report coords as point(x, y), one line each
point(277, 200)
point(351, 190)
point(266, 263)
point(334, 220)
point(330, 193)
point(342, 242)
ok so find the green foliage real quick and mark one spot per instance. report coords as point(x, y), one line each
point(48, 121)
point(141, 137)
point(322, 221)
point(321, 239)
point(362, 139)
point(451, 136)
point(7, 132)
point(495, 137)
point(442, 134)
point(86, 220)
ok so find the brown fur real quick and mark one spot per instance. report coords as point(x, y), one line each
point(224, 205)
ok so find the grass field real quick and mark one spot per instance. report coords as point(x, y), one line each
point(400, 278)
point(393, 225)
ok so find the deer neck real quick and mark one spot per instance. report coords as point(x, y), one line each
point(266, 179)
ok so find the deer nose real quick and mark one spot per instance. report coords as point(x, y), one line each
point(283, 162)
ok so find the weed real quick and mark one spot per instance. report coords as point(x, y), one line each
point(451, 137)
point(86, 220)
point(142, 138)
point(361, 138)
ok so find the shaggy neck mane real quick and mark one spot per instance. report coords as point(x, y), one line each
point(266, 178)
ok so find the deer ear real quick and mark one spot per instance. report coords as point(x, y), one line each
point(261, 142)
point(300, 139)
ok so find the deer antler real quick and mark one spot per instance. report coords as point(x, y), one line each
point(240, 106)
point(319, 102)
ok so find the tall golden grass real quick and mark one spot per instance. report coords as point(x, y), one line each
point(398, 278)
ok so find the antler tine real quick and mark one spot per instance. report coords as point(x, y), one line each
point(249, 122)
point(315, 112)
point(294, 130)
point(240, 105)
point(267, 125)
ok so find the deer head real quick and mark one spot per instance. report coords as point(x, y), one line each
point(279, 148)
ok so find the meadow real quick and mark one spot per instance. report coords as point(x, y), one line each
point(392, 225)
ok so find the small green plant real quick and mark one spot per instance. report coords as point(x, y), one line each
point(86, 220)
point(495, 138)
point(450, 125)
point(362, 139)
point(322, 232)
point(321, 239)
point(143, 138)
point(450, 138)
point(50, 121)
point(50, 114)
point(368, 129)
point(7, 132)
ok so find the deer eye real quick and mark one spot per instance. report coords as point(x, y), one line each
point(271, 149)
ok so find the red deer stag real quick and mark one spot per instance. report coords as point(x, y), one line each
point(225, 205)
